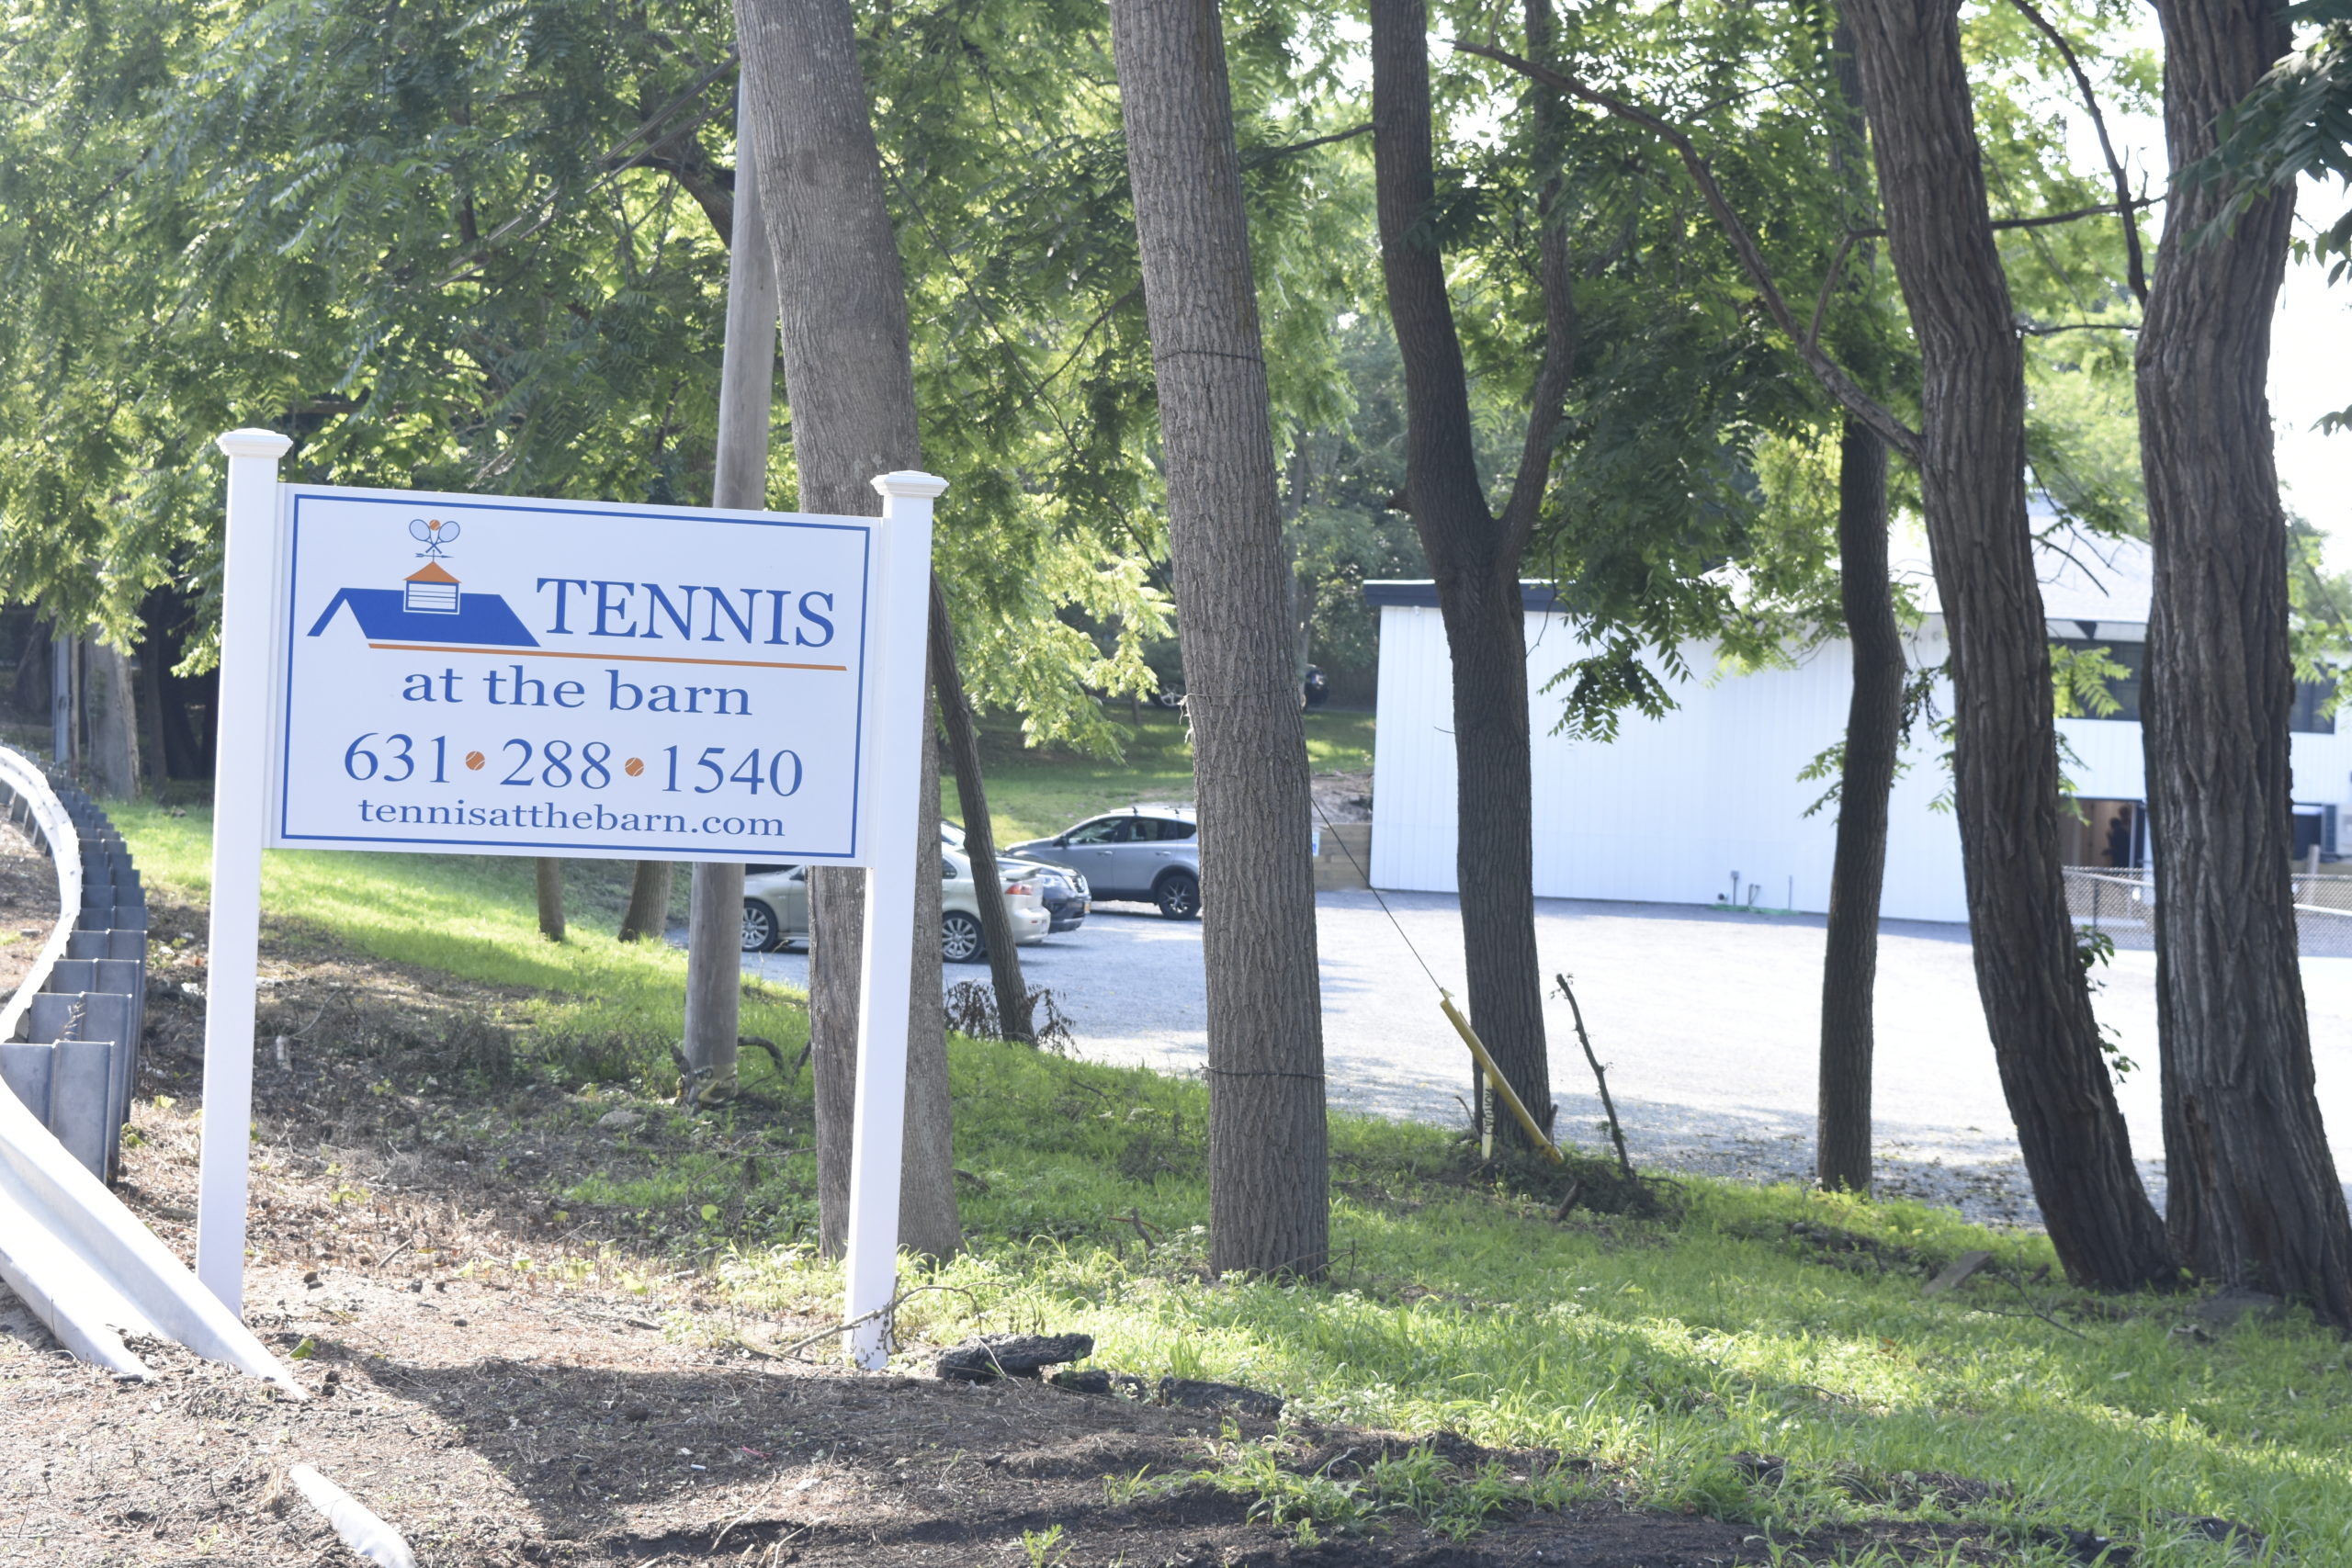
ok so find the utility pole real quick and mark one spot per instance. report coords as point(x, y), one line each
point(746, 389)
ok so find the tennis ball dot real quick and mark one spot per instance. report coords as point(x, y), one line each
point(634, 766)
point(474, 761)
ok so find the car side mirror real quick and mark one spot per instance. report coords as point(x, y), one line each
point(1062, 843)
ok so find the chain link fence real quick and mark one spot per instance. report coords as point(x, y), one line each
point(2123, 904)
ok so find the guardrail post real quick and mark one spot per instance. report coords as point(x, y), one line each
point(239, 791)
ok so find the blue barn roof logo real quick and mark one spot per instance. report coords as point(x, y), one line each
point(431, 605)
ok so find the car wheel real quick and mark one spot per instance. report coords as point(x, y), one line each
point(759, 926)
point(1165, 698)
point(959, 938)
point(1179, 896)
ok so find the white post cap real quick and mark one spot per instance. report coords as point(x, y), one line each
point(908, 482)
point(254, 444)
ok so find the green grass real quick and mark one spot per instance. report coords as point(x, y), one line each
point(1659, 1348)
point(1033, 792)
point(474, 917)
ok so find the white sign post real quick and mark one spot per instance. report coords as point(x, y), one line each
point(453, 674)
point(240, 804)
point(887, 977)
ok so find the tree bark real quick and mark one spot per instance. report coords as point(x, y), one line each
point(851, 380)
point(712, 1054)
point(2037, 1007)
point(979, 834)
point(1473, 555)
point(930, 1223)
point(547, 877)
point(112, 711)
point(1269, 1179)
point(65, 704)
point(648, 915)
point(739, 482)
point(1873, 737)
point(148, 677)
point(2254, 1198)
point(1865, 779)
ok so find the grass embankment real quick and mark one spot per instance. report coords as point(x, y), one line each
point(1673, 1351)
point(1033, 793)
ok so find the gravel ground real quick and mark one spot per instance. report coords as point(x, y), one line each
point(1706, 1020)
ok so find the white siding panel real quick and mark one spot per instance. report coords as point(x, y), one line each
point(2323, 766)
point(1412, 787)
point(1668, 811)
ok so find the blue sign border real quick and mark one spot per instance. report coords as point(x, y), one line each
point(407, 500)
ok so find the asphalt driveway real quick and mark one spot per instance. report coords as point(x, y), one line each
point(1707, 1021)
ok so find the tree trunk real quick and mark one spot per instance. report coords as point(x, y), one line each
point(979, 834)
point(851, 380)
point(746, 393)
point(1269, 1180)
point(930, 1223)
point(148, 677)
point(113, 714)
point(546, 876)
point(648, 915)
point(1865, 778)
point(1473, 555)
point(2037, 1007)
point(836, 947)
point(64, 705)
point(1494, 852)
point(712, 1052)
point(2255, 1200)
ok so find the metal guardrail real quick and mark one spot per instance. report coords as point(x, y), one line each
point(69, 1050)
point(69, 1037)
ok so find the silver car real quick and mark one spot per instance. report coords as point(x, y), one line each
point(1068, 897)
point(775, 909)
point(1150, 852)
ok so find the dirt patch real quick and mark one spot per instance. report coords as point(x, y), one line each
point(513, 1377)
point(27, 905)
point(1343, 795)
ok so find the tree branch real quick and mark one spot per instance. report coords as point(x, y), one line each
point(660, 116)
point(1547, 399)
point(2048, 219)
point(1829, 285)
point(1258, 157)
point(1831, 375)
point(2135, 268)
point(2049, 328)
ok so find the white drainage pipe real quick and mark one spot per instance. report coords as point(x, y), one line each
point(361, 1530)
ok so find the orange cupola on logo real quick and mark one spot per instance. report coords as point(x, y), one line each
point(432, 590)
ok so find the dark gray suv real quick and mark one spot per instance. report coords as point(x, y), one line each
point(1150, 852)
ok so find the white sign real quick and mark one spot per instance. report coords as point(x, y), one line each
point(550, 678)
point(481, 675)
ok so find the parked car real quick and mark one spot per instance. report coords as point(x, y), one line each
point(1150, 852)
point(1068, 897)
point(775, 909)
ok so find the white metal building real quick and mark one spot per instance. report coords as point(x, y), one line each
point(1706, 802)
